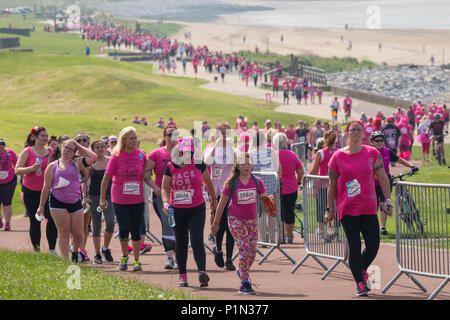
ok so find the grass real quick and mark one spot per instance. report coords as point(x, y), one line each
point(329, 65)
point(32, 276)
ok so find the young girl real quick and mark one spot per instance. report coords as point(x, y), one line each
point(319, 93)
point(242, 218)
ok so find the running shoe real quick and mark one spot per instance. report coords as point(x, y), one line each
point(290, 240)
point(383, 231)
point(230, 266)
point(7, 227)
point(211, 238)
point(367, 280)
point(170, 264)
point(84, 255)
point(145, 247)
point(107, 254)
point(203, 278)
point(123, 266)
point(218, 258)
point(137, 266)
point(53, 253)
point(182, 280)
point(361, 289)
point(76, 258)
point(246, 288)
point(97, 259)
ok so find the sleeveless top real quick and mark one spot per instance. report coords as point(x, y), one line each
point(31, 180)
point(96, 182)
point(66, 183)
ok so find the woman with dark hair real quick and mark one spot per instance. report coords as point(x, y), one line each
point(158, 159)
point(33, 161)
point(352, 171)
point(8, 182)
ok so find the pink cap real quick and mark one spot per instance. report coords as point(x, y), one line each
point(136, 116)
point(244, 136)
point(186, 144)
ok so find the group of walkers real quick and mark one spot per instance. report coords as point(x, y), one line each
point(298, 88)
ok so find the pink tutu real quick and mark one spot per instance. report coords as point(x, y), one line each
point(423, 138)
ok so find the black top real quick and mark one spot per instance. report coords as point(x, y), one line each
point(96, 182)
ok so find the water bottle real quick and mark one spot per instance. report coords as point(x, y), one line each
point(39, 170)
point(99, 210)
point(171, 218)
point(39, 217)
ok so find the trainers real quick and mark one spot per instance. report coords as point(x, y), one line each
point(84, 255)
point(97, 259)
point(145, 247)
point(366, 280)
point(137, 266)
point(123, 263)
point(229, 266)
point(53, 253)
point(383, 231)
point(107, 254)
point(182, 280)
point(170, 264)
point(76, 257)
point(290, 240)
point(203, 278)
point(246, 288)
point(361, 289)
point(218, 258)
point(7, 227)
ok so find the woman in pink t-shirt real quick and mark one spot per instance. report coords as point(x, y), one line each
point(242, 215)
point(33, 161)
point(158, 159)
point(182, 191)
point(126, 169)
point(352, 171)
point(291, 178)
point(8, 182)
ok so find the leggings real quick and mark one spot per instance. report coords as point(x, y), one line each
point(369, 227)
point(168, 234)
point(245, 233)
point(223, 227)
point(287, 207)
point(31, 200)
point(97, 216)
point(130, 220)
point(190, 220)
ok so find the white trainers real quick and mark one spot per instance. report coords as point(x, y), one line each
point(53, 253)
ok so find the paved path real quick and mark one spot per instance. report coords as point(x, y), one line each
point(273, 278)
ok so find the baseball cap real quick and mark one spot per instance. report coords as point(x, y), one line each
point(186, 144)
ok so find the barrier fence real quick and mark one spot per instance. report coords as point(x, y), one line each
point(321, 241)
point(270, 229)
point(300, 150)
point(422, 214)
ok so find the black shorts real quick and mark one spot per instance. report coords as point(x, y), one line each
point(70, 207)
point(287, 207)
point(439, 139)
point(7, 192)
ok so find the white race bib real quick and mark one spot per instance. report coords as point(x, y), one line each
point(131, 188)
point(246, 196)
point(182, 197)
point(3, 175)
point(353, 188)
point(217, 171)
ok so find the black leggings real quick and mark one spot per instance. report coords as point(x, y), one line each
point(223, 227)
point(369, 227)
point(31, 199)
point(130, 220)
point(288, 206)
point(192, 220)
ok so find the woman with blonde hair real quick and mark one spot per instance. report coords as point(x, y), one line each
point(62, 183)
point(424, 139)
point(126, 168)
point(291, 178)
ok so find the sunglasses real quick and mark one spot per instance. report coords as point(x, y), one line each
point(378, 140)
point(170, 134)
point(81, 140)
point(113, 142)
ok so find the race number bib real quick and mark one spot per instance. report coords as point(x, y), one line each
point(131, 188)
point(246, 196)
point(353, 188)
point(182, 197)
point(404, 130)
point(3, 175)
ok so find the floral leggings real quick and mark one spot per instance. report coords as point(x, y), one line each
point(245, 234)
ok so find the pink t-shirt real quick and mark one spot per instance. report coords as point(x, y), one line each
point(8, 161)
point(290, 134)
point(160, 157)
point(243, 200)
point(31, 180)
point(355, 194)
point(126, 171)
point(186, 185)
point(289, 163)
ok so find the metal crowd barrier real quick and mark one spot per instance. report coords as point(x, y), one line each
point(422, 215)
point(300, 150)
point(270, 229)
point(320, 240)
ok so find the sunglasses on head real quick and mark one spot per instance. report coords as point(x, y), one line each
point(81, 140)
